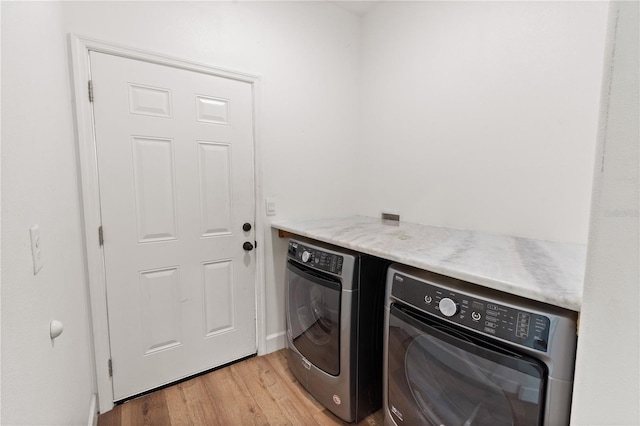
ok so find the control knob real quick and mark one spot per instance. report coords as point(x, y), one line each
point(448, 307)
point(306, 256)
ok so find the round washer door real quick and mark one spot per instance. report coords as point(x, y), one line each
point(444, 376)
point(314, 317)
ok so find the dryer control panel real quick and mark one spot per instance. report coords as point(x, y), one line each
point(505, 322)
point(315, 258)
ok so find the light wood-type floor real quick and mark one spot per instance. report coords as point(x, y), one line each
point(257, 391)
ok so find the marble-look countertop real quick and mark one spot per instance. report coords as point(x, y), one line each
point(545, 271)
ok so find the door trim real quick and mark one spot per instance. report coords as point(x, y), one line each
point(79, 48)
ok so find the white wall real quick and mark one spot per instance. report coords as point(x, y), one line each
point(43, 382)
point(482, 115)
point(607, 385)
point(307, 56)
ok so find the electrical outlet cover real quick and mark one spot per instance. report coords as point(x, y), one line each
point(36, 248)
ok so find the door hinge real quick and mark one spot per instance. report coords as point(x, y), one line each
point(100, 236)
point(110, 366)
point(90, 91)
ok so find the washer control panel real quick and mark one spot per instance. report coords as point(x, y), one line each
point(505, 322)
point(315, 258)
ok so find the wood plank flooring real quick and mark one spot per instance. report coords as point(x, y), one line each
point(256, 391)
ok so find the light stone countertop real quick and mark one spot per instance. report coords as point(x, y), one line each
point(545, 271)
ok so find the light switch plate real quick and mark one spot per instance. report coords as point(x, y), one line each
point(270, 206)
point(36, 248)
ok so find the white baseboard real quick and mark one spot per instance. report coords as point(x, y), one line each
point(275, 341)
point(93, 411)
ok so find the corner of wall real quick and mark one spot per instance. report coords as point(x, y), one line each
point(609, 329)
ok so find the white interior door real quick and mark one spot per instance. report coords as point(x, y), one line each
point(175, 167)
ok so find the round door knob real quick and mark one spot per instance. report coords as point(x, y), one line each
point(247, 246)
point(306, 256)
point(246, 227)
point(448, 307)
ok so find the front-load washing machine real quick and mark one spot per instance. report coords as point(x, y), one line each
point(334, 320)
point(462, 354)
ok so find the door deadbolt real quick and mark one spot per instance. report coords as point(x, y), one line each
point(246, 227)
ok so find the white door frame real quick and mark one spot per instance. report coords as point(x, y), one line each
point(80, 47)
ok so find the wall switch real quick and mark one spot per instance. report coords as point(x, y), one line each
point(36, 249)
point(271, 206)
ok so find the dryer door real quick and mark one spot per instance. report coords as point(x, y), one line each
point(444, 376)
point(313, 316)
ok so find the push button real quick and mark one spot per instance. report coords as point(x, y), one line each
point(540, 344)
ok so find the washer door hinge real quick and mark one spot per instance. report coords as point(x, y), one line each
point(100, 236)
point(90, 91)
point(110, 366)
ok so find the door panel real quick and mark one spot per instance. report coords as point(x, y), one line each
point(154, 187)
point(215, 187)
point(160, 309)
point(218, 296)
point(175, 165)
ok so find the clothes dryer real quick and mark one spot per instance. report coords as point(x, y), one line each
point(462, 354)
point(335, 315)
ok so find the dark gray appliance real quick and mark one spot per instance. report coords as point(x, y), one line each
point(335, 317)
point(461, 354)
